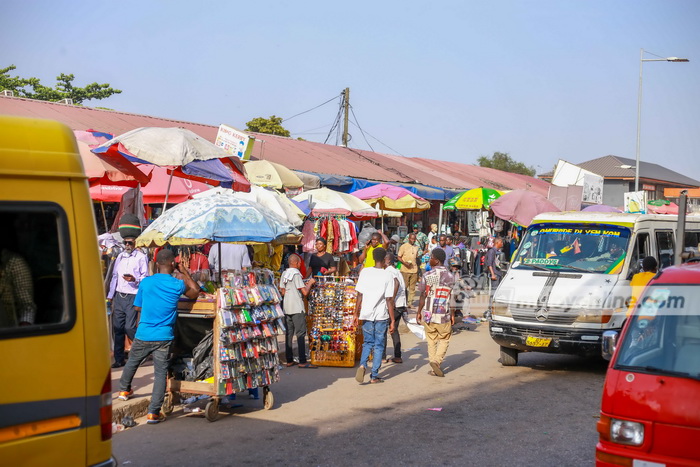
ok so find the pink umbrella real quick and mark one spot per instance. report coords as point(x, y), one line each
point(100, 172)
point(671, 208)
point(521, 206)
point(600, 208)
point(392, 198)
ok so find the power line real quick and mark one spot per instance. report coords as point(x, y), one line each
point(352, 110)
point(380, 142)
point(336, 122)
point(314, 108)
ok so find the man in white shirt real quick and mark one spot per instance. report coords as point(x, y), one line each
point(233, 257)
point(399, 307)
point(375, 307)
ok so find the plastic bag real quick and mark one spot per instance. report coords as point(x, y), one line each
point(365, 235)
point(202, 358)
point(416, 328)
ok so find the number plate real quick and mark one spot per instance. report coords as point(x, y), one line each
point(538, 341)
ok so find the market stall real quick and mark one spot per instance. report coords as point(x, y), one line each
point(226, 339)
point(334, 339)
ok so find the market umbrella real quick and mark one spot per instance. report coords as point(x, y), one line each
point(160, 187)
point(666, 208)
point(474, 199)
point(219, 216)
point(175, 148)
point(100, 171)
point(325, 201)
point(277, 176)
point(275, 202)
point(521, 206)
point(392, 198)
point(600, 208)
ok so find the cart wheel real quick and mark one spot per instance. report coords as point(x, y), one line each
point(167, 407)
point(268, 398)
point(211, 412)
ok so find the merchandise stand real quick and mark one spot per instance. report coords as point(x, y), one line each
point(246, 322)
point(333, 338)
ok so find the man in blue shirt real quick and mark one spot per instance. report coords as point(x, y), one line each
point(156, 299)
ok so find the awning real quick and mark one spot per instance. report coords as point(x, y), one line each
point(336, 182)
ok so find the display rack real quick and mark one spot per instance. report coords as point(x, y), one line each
point(333, 337)
point(247, 320)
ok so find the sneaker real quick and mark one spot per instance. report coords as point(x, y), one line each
point(154, 418)
point(125, 395)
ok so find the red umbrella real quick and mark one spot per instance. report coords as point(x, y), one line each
point(521, 206)
point(101, 172)
point(156, 191)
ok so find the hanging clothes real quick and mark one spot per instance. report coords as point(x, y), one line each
point(308, 237)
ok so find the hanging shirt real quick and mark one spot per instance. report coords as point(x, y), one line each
point(308, 237)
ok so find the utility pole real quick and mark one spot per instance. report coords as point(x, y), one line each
point(346, 106)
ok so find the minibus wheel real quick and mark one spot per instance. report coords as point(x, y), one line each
point(509, 356)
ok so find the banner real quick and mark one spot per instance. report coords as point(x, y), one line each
point(636, 202)
point(235, 142)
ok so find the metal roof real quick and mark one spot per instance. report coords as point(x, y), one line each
point(294, 154)
point(610, 167)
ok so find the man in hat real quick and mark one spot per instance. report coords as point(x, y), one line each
point(421, 238)
point(130, 268)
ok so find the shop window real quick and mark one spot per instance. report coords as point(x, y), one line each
point(664, 248)
point(35, 270)
point(639, 252)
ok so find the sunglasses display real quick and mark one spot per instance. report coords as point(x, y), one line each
point(332, 335)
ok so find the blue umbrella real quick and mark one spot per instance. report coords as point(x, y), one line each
point(216, 215)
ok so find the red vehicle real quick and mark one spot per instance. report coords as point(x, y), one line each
point(650, 412)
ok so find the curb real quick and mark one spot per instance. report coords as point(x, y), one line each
point(137, 408)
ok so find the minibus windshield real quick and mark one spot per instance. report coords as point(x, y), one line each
point(663, 336)
point(582, 247)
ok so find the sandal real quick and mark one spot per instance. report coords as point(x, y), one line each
point(376, 380)
point(288, 364)
point(307, 365)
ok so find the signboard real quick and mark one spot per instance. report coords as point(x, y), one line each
point(592, 188)
point(567, 174)
point(647, 187)
point(235, 142)
point(636, 202)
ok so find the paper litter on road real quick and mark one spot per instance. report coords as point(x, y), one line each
point(436, 409)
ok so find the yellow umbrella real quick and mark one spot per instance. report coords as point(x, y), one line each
point(266, 173)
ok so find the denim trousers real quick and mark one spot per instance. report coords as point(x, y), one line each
point(140, 350)
point(296, 327)
point(125, 320)
point(374, 333)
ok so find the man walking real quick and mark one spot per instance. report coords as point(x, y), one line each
point(130, 268)
point(447, 248)
point(157, 300)
point(492, 263)
point(434, 311)
point(399, 307)
point(293, 290)
point(375, 307)
point(408, 255)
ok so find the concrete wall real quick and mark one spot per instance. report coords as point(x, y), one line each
point(614, 192)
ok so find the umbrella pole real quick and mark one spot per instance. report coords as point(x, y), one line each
point(104, 216)
point(167, 191)
point(219, 247)
point(440, 219)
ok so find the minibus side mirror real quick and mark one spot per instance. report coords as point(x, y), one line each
point(609, 344)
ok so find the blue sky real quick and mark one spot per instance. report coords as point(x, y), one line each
point(450, 80)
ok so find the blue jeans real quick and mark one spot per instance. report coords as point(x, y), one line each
point(374, 333)
point(140, 350)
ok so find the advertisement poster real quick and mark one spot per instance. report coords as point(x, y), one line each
point(235, 142)
point(636, 202)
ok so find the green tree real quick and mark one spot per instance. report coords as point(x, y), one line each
point(31, 88)
point(271, 126)
point(502, 161)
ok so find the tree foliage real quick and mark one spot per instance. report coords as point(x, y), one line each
point(503, 161)
point(271, 126)
point(31, 88)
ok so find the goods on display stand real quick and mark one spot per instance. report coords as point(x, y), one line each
point(333, 336)
point(339, 232)
point(239, 337)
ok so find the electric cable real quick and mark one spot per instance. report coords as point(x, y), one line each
point(314, 108)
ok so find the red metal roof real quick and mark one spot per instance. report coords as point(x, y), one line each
point(295, 154)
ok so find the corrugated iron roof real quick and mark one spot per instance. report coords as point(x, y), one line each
point(295, 154)
point(610, 167)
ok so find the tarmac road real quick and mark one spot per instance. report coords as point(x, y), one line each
point(542, 412)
